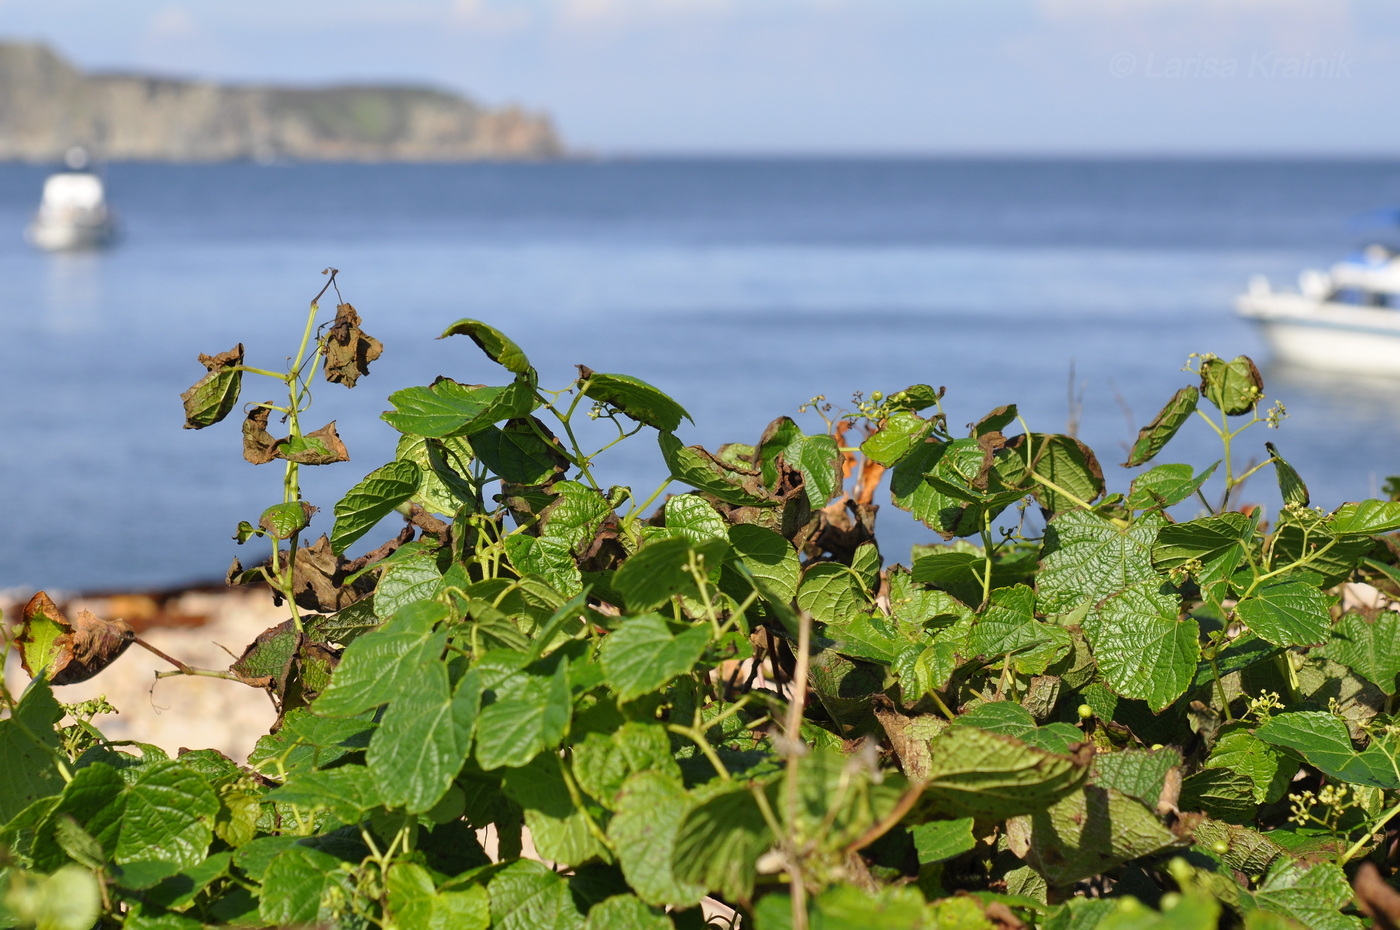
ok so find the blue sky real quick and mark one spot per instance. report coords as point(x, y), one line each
point(818, 76)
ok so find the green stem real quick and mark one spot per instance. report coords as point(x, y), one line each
point(1366, 838)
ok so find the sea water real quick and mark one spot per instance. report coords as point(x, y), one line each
point(1073, 288)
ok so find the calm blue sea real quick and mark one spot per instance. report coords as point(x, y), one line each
point(742, 287)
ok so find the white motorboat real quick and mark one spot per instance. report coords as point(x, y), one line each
point(1344, 319)
point(73, 212)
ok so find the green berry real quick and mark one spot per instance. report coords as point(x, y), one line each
point(1085, 712)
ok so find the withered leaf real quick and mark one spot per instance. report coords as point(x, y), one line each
point(211, 398)
point(70, 652)
point(267, 661)
point(348, 349)
point(318, 447)
point(259, 447)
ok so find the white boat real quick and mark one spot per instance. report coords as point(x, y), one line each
point(1344, 319)
point(73, 212)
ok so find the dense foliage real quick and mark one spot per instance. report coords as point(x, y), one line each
point(1130, 710)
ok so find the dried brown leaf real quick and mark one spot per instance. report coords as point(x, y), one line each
point(348, 349)
point(82, 648)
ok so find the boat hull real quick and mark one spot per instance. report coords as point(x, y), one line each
point(65, 237)
point(1327, 336)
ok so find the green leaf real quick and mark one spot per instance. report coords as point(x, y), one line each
point(899, 434)
point(1008, 627)
point(575, 515)
point(558, 826)
point(518, 453)
point(649, 809)
point(69, 899)
point(1367, 518)
point(1086, 559)
point(694, 466)
point(938, 840)
point(691, 516)
point(1290, 484)
point(1287, 613)
point(1064, 462)
point(1224, 794)
point(976, 773)
point(447, 408)
point(1234, 387)
point(31, 750)
point(1312, 896)
point(420, 744)
point(719, 841)
point(1142, 647)
point(211, 398)
point(604, 761)
point(497, 346)
point(416, 902)
point(1324, 743)
point(1269, 769)
point(816, 457)
point(1371, 649)
point(660, 570)
point(1155, 435)
point(1137, 774)
point(516, 728)
point(634, 397)
point(384, 665)
point(643, 654)
point(441, 463)
point(1088, 832)
point(294, 884)
point(282, 520)
point(624, 912)
point(347, 792)
point(1010, 719)
point(768, 557)
point(164, 814)
point(1217, 542)
point(407, 581)
point(1166, 486)
point(550, 558)
point(831, 592)
point(529, 895)
point(370, 501)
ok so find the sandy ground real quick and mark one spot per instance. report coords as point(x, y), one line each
point(194, 626)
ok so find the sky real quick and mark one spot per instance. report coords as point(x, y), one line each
point(901, 77)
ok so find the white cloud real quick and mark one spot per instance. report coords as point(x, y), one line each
point(172, 22)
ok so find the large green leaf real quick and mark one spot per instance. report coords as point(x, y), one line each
point(899, 434)
point(575, 516)
point(974, 773)
point(650, 807)
point(407, 581)
point(1011, 719)
point(634, 397)
point(719, 841)
point(373, 499)
point(164, 813)
point(1313, 896)
point(603, 761)
point(643, 654)
point(447, 408)
point(1143, 648)
point(703, 471)
point(766, 556)
point(1008, 627)
point(1087, 558)
point(534, 716)
point(1269, 768)
point(1062, 461)
point(625, 912)
point(31, 750)
point(1155, 435)
point(1369, 648)
point(1287, 612)
point(518, 452)
point(548, 557)
point(1086, 833)
point(442, 464)
point(938, 840)
point(420, 744)
point(817, 457)
point(385, 664)
point(416, 902)
point(529, 895)
point(831, 592)
point(346, 792)
point(1218, 543)
point(1324, 743)
point(1367, 518)
point(1166, 485)
point(294, 885)
point(1235, 387)
point(661, 570)
point(558, 826)
point(930, 503)
point(497, 346)
point(693, 517)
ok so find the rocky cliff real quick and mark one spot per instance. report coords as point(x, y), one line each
point(47, 105)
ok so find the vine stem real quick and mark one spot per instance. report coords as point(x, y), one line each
point(797, 703)
point(1366, 838)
